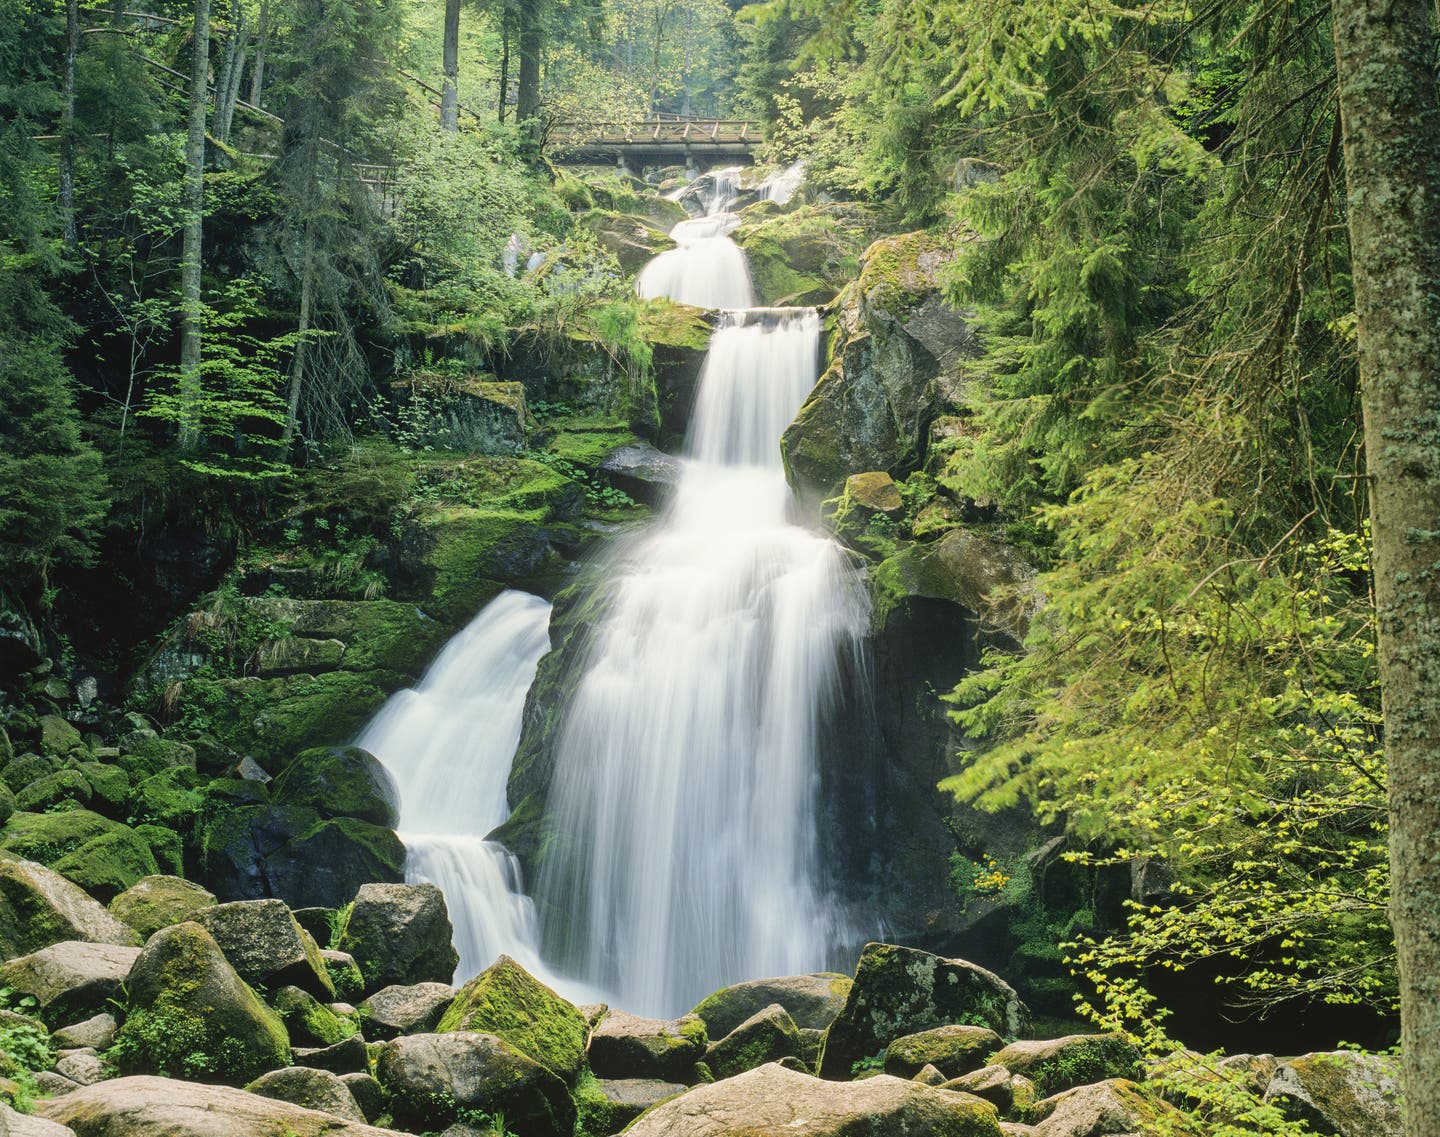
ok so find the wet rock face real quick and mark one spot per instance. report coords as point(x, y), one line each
point(895, 337)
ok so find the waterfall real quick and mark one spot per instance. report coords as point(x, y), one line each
point(686, 767)
point(449, 743)
point(708, 269)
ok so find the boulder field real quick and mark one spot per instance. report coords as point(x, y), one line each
point(226, 1023)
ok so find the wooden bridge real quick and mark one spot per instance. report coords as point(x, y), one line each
point(655, 141)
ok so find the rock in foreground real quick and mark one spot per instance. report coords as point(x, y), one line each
point(162, 1107)
point(774, 1100)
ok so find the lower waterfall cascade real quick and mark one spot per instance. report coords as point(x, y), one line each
point(686, 766)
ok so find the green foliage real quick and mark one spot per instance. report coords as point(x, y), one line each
point(25, 1051)
point(56, 492)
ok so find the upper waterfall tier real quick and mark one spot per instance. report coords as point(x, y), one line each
point(708, 269)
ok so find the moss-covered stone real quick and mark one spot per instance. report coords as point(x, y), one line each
point(171, 798)
point(629, 1046)
point(953, 1050)
point(1117, 1105)
point(766, 1036)
point(812, 1001)
point(471, 551)
point(109, 787)
point(308, 1021)
point(804, 255)
point(158, 901)
point(900, 991)
point(58, 737)
point(1340, 1092)
point(144, 754)
point(633, 240)
point(969, 569)
point(109, 864)
point(167, 847)
point(339, 781)
point(190, 1015)
point(64, 789)
point(472, 415)
point(39, 907)
point(507, 1001)
point(1076, 1059)
point(325, 865)
point(20, 772)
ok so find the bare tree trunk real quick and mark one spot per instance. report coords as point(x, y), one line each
point(532, 39)
point(67, 123)
point(1391, 111)
point(505, 29)
point(298, 364)
point(227, 86)
point(194, 204)
point(262, 41)
point(450, 95)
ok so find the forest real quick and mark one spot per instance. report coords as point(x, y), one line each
point(541, 515)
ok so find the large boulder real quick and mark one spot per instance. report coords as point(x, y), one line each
point(972, 570)
point(773, 1099)
point(431, 1078)
point(609, 1104)
point(158, 901)
point(339, 781)
point(103, 857)
point(191, 1015)
point(766, 1036)
point(507, 1001)
point(1341, 1094)
point(900, 991)
point(1117, 1107)
point(414, 1008)
point(267, 947)
point(348, 1056)
point(469, 414)
point(313, 1089)
point(72, 978)
point(165, 1107)
point(39, 907)
point(1061, 1063)
point(812, 1000)
point(953, 1050)
point(629, 1046)
point(14, 1124)
point(401, 933)
point(633, 240)
point(896, 337)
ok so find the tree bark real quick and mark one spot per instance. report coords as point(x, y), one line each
point(67, 123)
point(262, 41)
point(193, 236)
point(450, 95)
point(227, 85)
point(532, 39)
point(298, 364)
point(505, 29)
point(1391, 113)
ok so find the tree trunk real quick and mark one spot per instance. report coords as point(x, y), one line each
point(450, 96)
point(262, 41)
point(297, 365)
point(193, 203)
point(227, 86)
point(527, 103)
point(1388, 100)
point(67, 123)
point(505, 27)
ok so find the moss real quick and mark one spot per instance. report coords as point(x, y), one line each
point(109, 864)
point(589, 448)
point(158, 902)
point(171, 798)
point(473, 550)
point(505, 1000)
point(308, 1021)
point(58, 737)
point(109, 785)
point(1075, 1060)
point(339, 781)
point(46, 837)
point(664, 323)
point(899, 272)
point(805, 255)
point(595, 1114)
point(633, 240)
point(64, 789)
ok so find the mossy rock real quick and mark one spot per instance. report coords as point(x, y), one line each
point(507, 1001)
point(325, 865)
point(144, 754)
point(234, 840)
point(630, 1046)
point(470, 553)
point(167, 845)
point(339, 781)
point(58, 737)
point(899, 991)
point(20, 772)
point(1077, 1059)
point(109, 864)
point(767, 1036)
point(159, 901)
point(7, 803)
point(972, 570)
point(667, 323)
point(47, 837)
point(64, 789)
point(309, 1021)
point(952, 1050)
point(39, 907)
point(171, 798)
point(812, 1001)
point(633, 240)
point(1340, 1092)
point(109, 786)
point(191, 1016)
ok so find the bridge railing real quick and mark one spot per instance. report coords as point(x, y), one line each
point(653, 130)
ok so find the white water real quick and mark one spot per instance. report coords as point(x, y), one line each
point(782, 185)
point(708, 269)
point(449, 743)
point(686, 767)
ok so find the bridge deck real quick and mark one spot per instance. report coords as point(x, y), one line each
point(656, 138)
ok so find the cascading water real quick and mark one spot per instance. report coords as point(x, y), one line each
point(449, 743)
point(708, 269)
point(686, 776)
